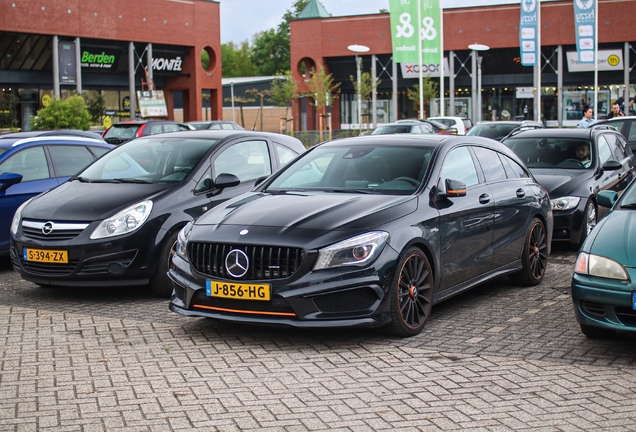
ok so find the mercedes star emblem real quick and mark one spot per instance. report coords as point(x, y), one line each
point(237, 263)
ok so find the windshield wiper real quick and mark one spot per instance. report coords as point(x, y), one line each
point(82, 179)
point(629, 205)
point(131, 180)
point(360, 191)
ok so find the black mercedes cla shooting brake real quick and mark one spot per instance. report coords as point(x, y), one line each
point(116, 222)
point(366, 231)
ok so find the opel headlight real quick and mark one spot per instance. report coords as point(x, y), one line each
point(124, 222)
point(182, 241)
point(17, 216)
point(565, 203)
point(355, 251)
point(595, 265)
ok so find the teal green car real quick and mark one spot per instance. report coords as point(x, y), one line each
point(604, 280)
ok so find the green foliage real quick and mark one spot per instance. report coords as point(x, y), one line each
point(205, 59)
point(67, 114)
point(429, 91)
point(321, 87)
point(271, 52)
point(96, 107)
point(8, 110)
point(367, 87)
point(236, 60)
point(283, 91)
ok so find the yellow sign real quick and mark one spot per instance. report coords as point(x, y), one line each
point(107, 122)
point(46, 100)
point(613, 60)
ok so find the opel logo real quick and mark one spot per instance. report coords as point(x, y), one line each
point(47, 228)
point(237, 263)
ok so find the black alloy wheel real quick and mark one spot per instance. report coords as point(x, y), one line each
point(160, 283)
point(534, 256)
point(411, 294)
point(589, 220)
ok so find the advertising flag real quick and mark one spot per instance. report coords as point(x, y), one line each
point(405, 28)
point(529, 43)
point(585, 27)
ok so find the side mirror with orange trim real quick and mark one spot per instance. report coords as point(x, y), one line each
point(453, 188)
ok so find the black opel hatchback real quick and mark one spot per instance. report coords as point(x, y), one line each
point(366, 231)
point(116, 222)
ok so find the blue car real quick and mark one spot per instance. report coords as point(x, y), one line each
point(603, 284)
point(30, 166)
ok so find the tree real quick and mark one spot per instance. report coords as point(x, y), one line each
point(236, 60)
point(271, 51)
point(68, 114)
point(429, 92)
point(283, 92)
point(205, 97)
point(96, 107)
point(262, 94)
point(321, 88)
point(240, 100)
point(367, 87)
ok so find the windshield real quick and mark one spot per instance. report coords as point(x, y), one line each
point(383, 169)
point(2, 150)
point(393, 129)
point(152, 160)
point(570, 153)
point(122, 131)
point(494, 130)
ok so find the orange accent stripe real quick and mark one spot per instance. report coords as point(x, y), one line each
point(291, 314)
point(456, 191)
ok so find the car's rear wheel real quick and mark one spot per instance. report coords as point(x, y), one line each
point(160, 283)
point(590, 217)
point(534, 257)
point(411, 294)
point(596, 332)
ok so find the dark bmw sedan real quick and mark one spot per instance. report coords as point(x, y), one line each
point(366, 231)
point(116, 222)
point(574, 165)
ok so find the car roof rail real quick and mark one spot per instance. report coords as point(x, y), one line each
point(604, 126)
point(522, 128)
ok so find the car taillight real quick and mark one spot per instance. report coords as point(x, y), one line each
point(141, 128)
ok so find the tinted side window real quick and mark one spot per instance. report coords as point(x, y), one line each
point(247, 160)
point(617, 150)
point(98, 151)
point(170, 127)
point(69, 160)
point(630, 134)
point(31, 163)
point(284, 154)
point(490, 164)
point(459, 165)
point(513, 169)
point(604, 152)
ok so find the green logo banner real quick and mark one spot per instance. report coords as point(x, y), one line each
point(405, 28)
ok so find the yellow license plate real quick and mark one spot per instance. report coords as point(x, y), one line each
point(47, 256)
point(240, 291)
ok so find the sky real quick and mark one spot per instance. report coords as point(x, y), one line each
point(241, 19)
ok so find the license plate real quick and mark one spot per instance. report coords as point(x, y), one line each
point(47, 256)
point(239, 291)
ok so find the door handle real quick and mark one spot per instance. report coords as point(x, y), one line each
point(484, 199)
point(521, 193)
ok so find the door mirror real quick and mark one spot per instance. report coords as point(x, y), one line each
point(607, 198)
point(225, 180)
point(9, 179)
point(452, 188)
point(612, 165)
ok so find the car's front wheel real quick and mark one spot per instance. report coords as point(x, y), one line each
point(411, 294)
point(590, 218)
point(534, 256)
point(160, 283)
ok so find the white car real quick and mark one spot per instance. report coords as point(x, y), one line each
point(461, 124)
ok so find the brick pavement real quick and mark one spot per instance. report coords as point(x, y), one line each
point(494, 359)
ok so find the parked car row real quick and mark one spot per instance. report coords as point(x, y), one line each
point(366, 231)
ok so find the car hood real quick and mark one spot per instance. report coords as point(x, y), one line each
point(312, 211)
point(614, 237)
point(77, 201)
point(560, 182)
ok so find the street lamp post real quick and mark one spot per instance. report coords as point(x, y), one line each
point(359, 49)
point(476, 79)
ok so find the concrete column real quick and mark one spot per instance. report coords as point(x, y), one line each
point(560, 85)
point(78, 65)
point(56, 67)
point(149, 66)
point(473, 75)
point(131, 79)
point(394, 101)
point(626, 70)
point(451, 83)
point(374, 97)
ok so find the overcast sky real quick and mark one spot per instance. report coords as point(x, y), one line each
point(241, 19)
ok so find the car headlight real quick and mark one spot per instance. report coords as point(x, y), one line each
point(595, 265)
point(355, 251)
point(17, 216)
point(565, 203)
point(182, 241)
point(124, 222)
